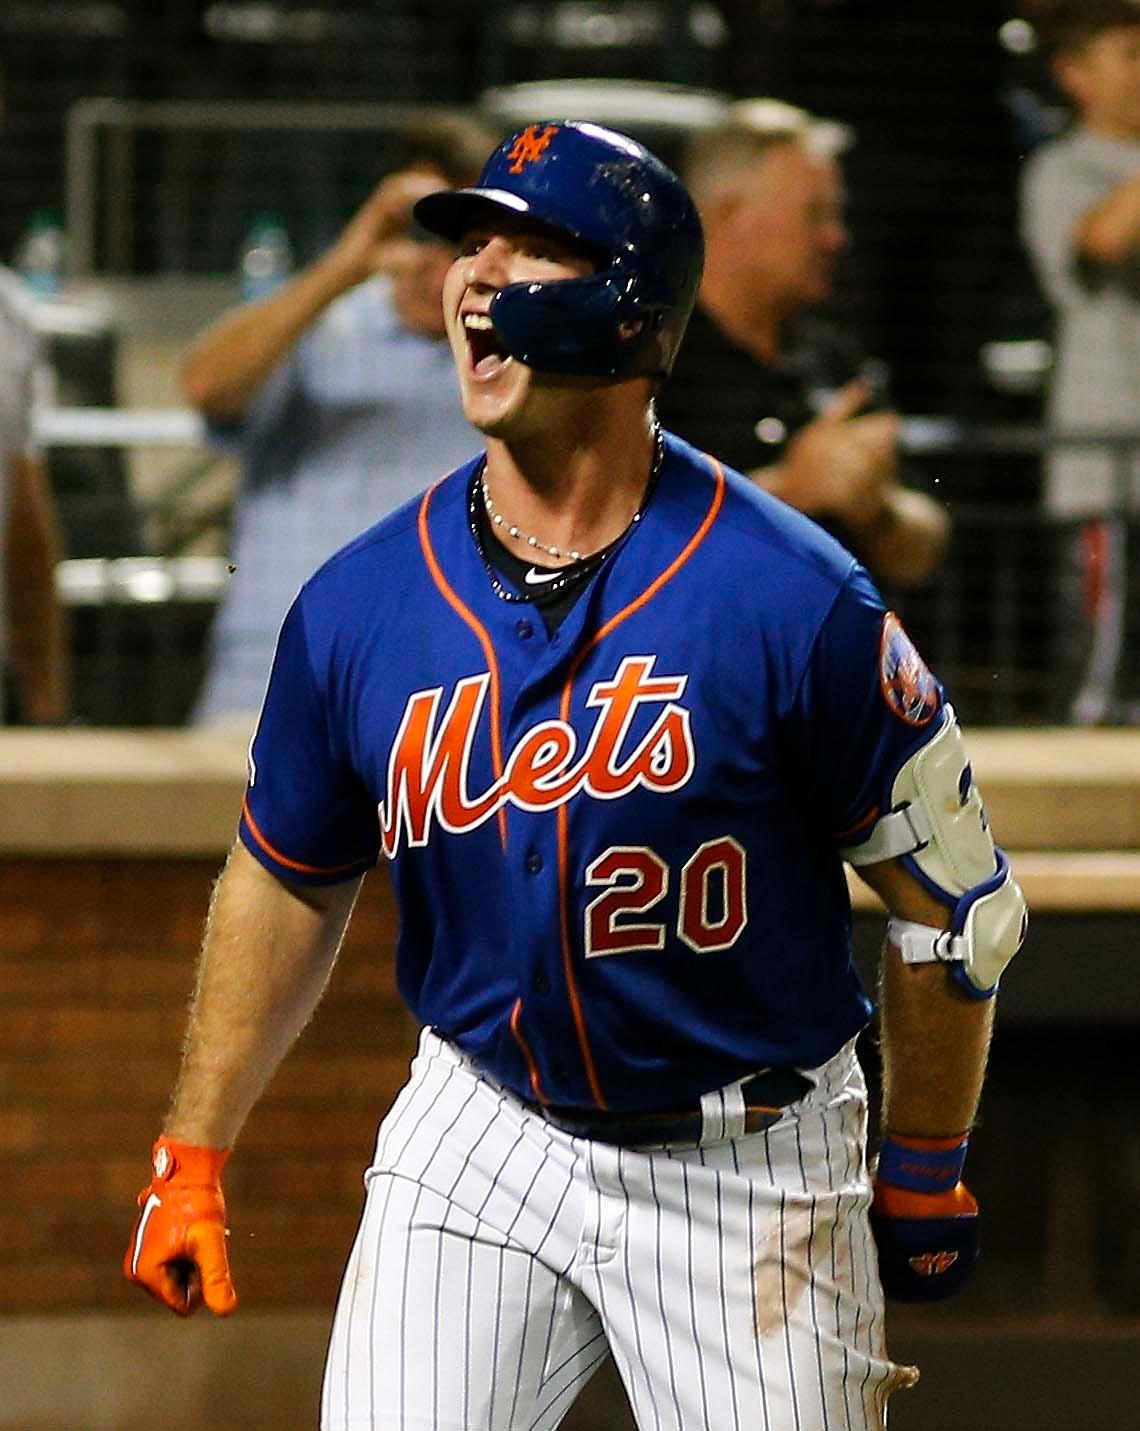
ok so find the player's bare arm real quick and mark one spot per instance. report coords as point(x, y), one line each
point(267, 954)
point(228, 363)
point(957, 917)
point(934, 1038)
point(934, 1043)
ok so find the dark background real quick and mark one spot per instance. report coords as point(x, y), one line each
point(938, 103)
point(944, 105)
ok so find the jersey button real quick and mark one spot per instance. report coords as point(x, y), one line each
point(533, 862)
point(541, 984)
point(525, 630)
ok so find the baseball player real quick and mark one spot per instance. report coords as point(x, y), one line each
point(615, 717)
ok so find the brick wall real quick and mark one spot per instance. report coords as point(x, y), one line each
point(96, 966)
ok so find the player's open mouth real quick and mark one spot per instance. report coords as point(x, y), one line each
point(488, 355)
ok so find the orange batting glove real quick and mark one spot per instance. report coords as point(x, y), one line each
point(178, 1248)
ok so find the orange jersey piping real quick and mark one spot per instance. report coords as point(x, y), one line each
point(281, 859)
point(482, 635)
point(532, 1066)
point(563, 816)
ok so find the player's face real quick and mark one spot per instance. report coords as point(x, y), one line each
point(1103, 77)
point(494, 387)
point(792, 225)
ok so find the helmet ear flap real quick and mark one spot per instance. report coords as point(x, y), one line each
point(598, 326)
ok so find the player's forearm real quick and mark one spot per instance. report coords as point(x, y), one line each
point(907, 543)
point(934, 1038)
point(228, 363)
point(935, 1042)
point(265, 960)
point(1110, 232)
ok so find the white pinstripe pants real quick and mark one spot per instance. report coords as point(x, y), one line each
point(499, 1261)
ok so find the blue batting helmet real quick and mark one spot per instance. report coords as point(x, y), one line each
point(610, 194)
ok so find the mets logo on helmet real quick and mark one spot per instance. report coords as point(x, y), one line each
point(908, 686)
point(530, 145)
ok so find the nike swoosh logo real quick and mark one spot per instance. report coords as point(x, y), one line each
point(536, 578)
point(148, 1207)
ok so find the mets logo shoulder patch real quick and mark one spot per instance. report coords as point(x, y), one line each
point(908, 686)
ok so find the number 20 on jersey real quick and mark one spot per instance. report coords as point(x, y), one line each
point(712, 904)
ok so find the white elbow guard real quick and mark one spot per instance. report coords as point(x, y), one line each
point(937, 825)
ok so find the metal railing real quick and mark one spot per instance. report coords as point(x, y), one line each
point(100, 196)
point(987, 622)
point(119, 121)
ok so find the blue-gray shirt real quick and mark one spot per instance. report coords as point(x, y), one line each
point(359, 418)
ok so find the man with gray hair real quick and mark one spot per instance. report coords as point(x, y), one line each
point(764, 383)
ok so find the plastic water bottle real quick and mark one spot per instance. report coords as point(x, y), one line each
point(41, 256)
point(266, 257)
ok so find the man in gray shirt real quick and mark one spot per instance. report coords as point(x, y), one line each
point(336, 389)
point(1081, 225)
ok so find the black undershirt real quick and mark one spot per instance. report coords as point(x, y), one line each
point(553, 605)
point(554, 596)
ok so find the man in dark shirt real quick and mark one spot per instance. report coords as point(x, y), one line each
point(763, 383)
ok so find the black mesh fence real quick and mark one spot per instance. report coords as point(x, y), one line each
point(944, 107)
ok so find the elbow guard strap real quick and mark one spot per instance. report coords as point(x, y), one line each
point(986, 929)
point(937, 825)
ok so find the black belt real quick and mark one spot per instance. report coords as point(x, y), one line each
point(766, 1095)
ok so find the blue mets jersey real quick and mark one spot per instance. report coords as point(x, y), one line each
point(613, 846)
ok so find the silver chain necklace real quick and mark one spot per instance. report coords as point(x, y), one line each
point(575, 572)
point(580, 566)
point(533, 543)
point(511, 530)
